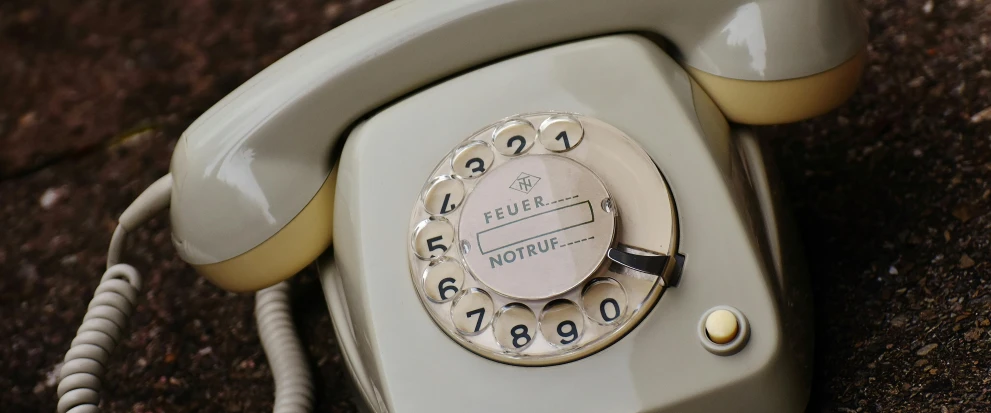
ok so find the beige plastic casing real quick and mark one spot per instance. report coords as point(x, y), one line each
point(246, 168)
point(783, 101)
point(730, 231)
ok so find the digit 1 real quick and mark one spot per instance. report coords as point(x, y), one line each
point(564, 136)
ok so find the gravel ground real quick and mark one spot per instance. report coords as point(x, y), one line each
point(890, 193)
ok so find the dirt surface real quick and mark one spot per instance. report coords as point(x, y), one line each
point(890, 192)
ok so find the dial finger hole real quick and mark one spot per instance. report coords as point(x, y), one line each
point(515, 327)
point(432, 238)
point(561, 133)
point(514, 137)
point(442, 280)
point(443, 195)
point(562, 323)
point(604, 300)
point(472, 312)
point(472, 160)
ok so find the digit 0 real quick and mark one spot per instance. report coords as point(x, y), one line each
point(609, 302)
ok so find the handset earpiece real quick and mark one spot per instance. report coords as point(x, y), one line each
point(783, 101)
point(289, 250)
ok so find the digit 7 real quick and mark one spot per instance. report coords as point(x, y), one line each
point(481, 316)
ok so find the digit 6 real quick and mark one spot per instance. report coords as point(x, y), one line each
point(442, 289)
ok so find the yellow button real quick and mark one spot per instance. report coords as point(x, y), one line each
point(721, 326)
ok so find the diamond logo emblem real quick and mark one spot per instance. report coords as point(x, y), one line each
point(525, 182)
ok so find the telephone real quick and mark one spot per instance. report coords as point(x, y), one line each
point(545, 205)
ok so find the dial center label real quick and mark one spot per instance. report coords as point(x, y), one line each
point(536, 226)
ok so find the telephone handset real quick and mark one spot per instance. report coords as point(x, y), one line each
point(537, 174)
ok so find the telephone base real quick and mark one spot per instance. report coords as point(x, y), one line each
point(736, 333)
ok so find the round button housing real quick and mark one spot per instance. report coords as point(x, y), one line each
point(535, 227)
point(723, 330)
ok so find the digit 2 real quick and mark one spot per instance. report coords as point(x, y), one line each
point(522, 140)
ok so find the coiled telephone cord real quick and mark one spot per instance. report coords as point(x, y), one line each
point(108, 312)
point(107, 315)
point(286, 357)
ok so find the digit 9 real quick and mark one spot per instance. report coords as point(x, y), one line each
point(562, 323)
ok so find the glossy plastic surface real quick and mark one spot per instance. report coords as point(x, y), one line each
point(252, 162)
point(725, 224)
